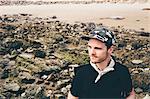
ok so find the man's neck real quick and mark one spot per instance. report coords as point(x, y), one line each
point(104, 63)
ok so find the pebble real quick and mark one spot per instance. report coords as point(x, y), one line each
point(23, 94)
point(137, 62)
point(26, 55)
point(25, 75)
point(128, 47)
point(12, 63)
point(12, 87)
point(147, 97)
point(49, 93)
point(64, 90)
point(59, 96)
point(138, 90)
point(117, 17)
point(44, 76)
point(39, 53)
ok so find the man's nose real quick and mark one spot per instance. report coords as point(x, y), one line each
point(92, 51)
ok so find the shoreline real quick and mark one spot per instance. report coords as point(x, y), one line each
point(129, 16)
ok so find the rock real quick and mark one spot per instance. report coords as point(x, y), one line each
point(26, 78)
point(64, 90)
point(122, 44)
point(146, 9)
point(13, 54)
point(58, 38)
point(39, 53)
point(135, 72)
point(54, 17)
point(44, 76)
point(23, 75)
point(52, 57)
point(62, 83)
point(129, 47)
point(26, 55)
point(23, 14)
point(28, 81)
point(138, 90)
point(39, 81)
point(147, 70)
point(137, 62)
point(12, 87)
point(36, 44)
point(29, 50)
point(4, 74)
point(136, 45)
point(4, 63)
point(138, 70)
point(15, 44)
point(60, 96)
point(23, 94)
point(50, 71)
point(3, 51)
point(117, 17)
point(90, 26)
point(49, 93)
point(141, 80)
point(147, 97)
point(11, 63)
point(54, 68)
point(146, 34)
point(13, 72)
point(9, 19)
point(75, 65)
point(34, 91)
point(9, 27)
point(68, 87)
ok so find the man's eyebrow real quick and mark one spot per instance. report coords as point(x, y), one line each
point(98, 47)
point(95, 47)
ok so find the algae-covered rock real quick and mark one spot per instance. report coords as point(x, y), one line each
point(38, 56)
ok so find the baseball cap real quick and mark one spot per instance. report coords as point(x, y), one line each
point(102, 34)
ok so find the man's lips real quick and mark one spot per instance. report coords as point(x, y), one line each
point(93, 57)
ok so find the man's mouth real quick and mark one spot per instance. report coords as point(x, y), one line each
point(93, 57)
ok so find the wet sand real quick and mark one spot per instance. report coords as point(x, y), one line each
point(133, 15)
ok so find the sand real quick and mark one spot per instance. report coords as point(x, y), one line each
point(133, 15)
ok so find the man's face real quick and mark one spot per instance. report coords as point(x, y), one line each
point(98, 51)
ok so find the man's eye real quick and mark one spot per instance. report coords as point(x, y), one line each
point(98, 48)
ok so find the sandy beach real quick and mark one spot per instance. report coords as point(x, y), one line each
point(131, 16)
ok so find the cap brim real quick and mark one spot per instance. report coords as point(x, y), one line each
point(85, 38)
point(88, 38)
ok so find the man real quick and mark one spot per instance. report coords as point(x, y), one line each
point(103, 77)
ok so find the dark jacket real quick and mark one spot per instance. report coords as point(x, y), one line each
point(114, 84)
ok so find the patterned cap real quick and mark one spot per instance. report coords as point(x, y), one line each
point(103, 35)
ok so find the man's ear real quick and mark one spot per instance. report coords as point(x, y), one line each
point(111, 49)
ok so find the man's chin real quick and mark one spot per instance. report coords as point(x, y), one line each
point(93, 61)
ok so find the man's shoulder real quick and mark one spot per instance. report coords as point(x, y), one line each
point(82, 68)
point(121, 68)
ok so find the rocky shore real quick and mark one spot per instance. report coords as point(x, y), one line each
point(38, 56)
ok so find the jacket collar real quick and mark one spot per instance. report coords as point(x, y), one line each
point(109, 68)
